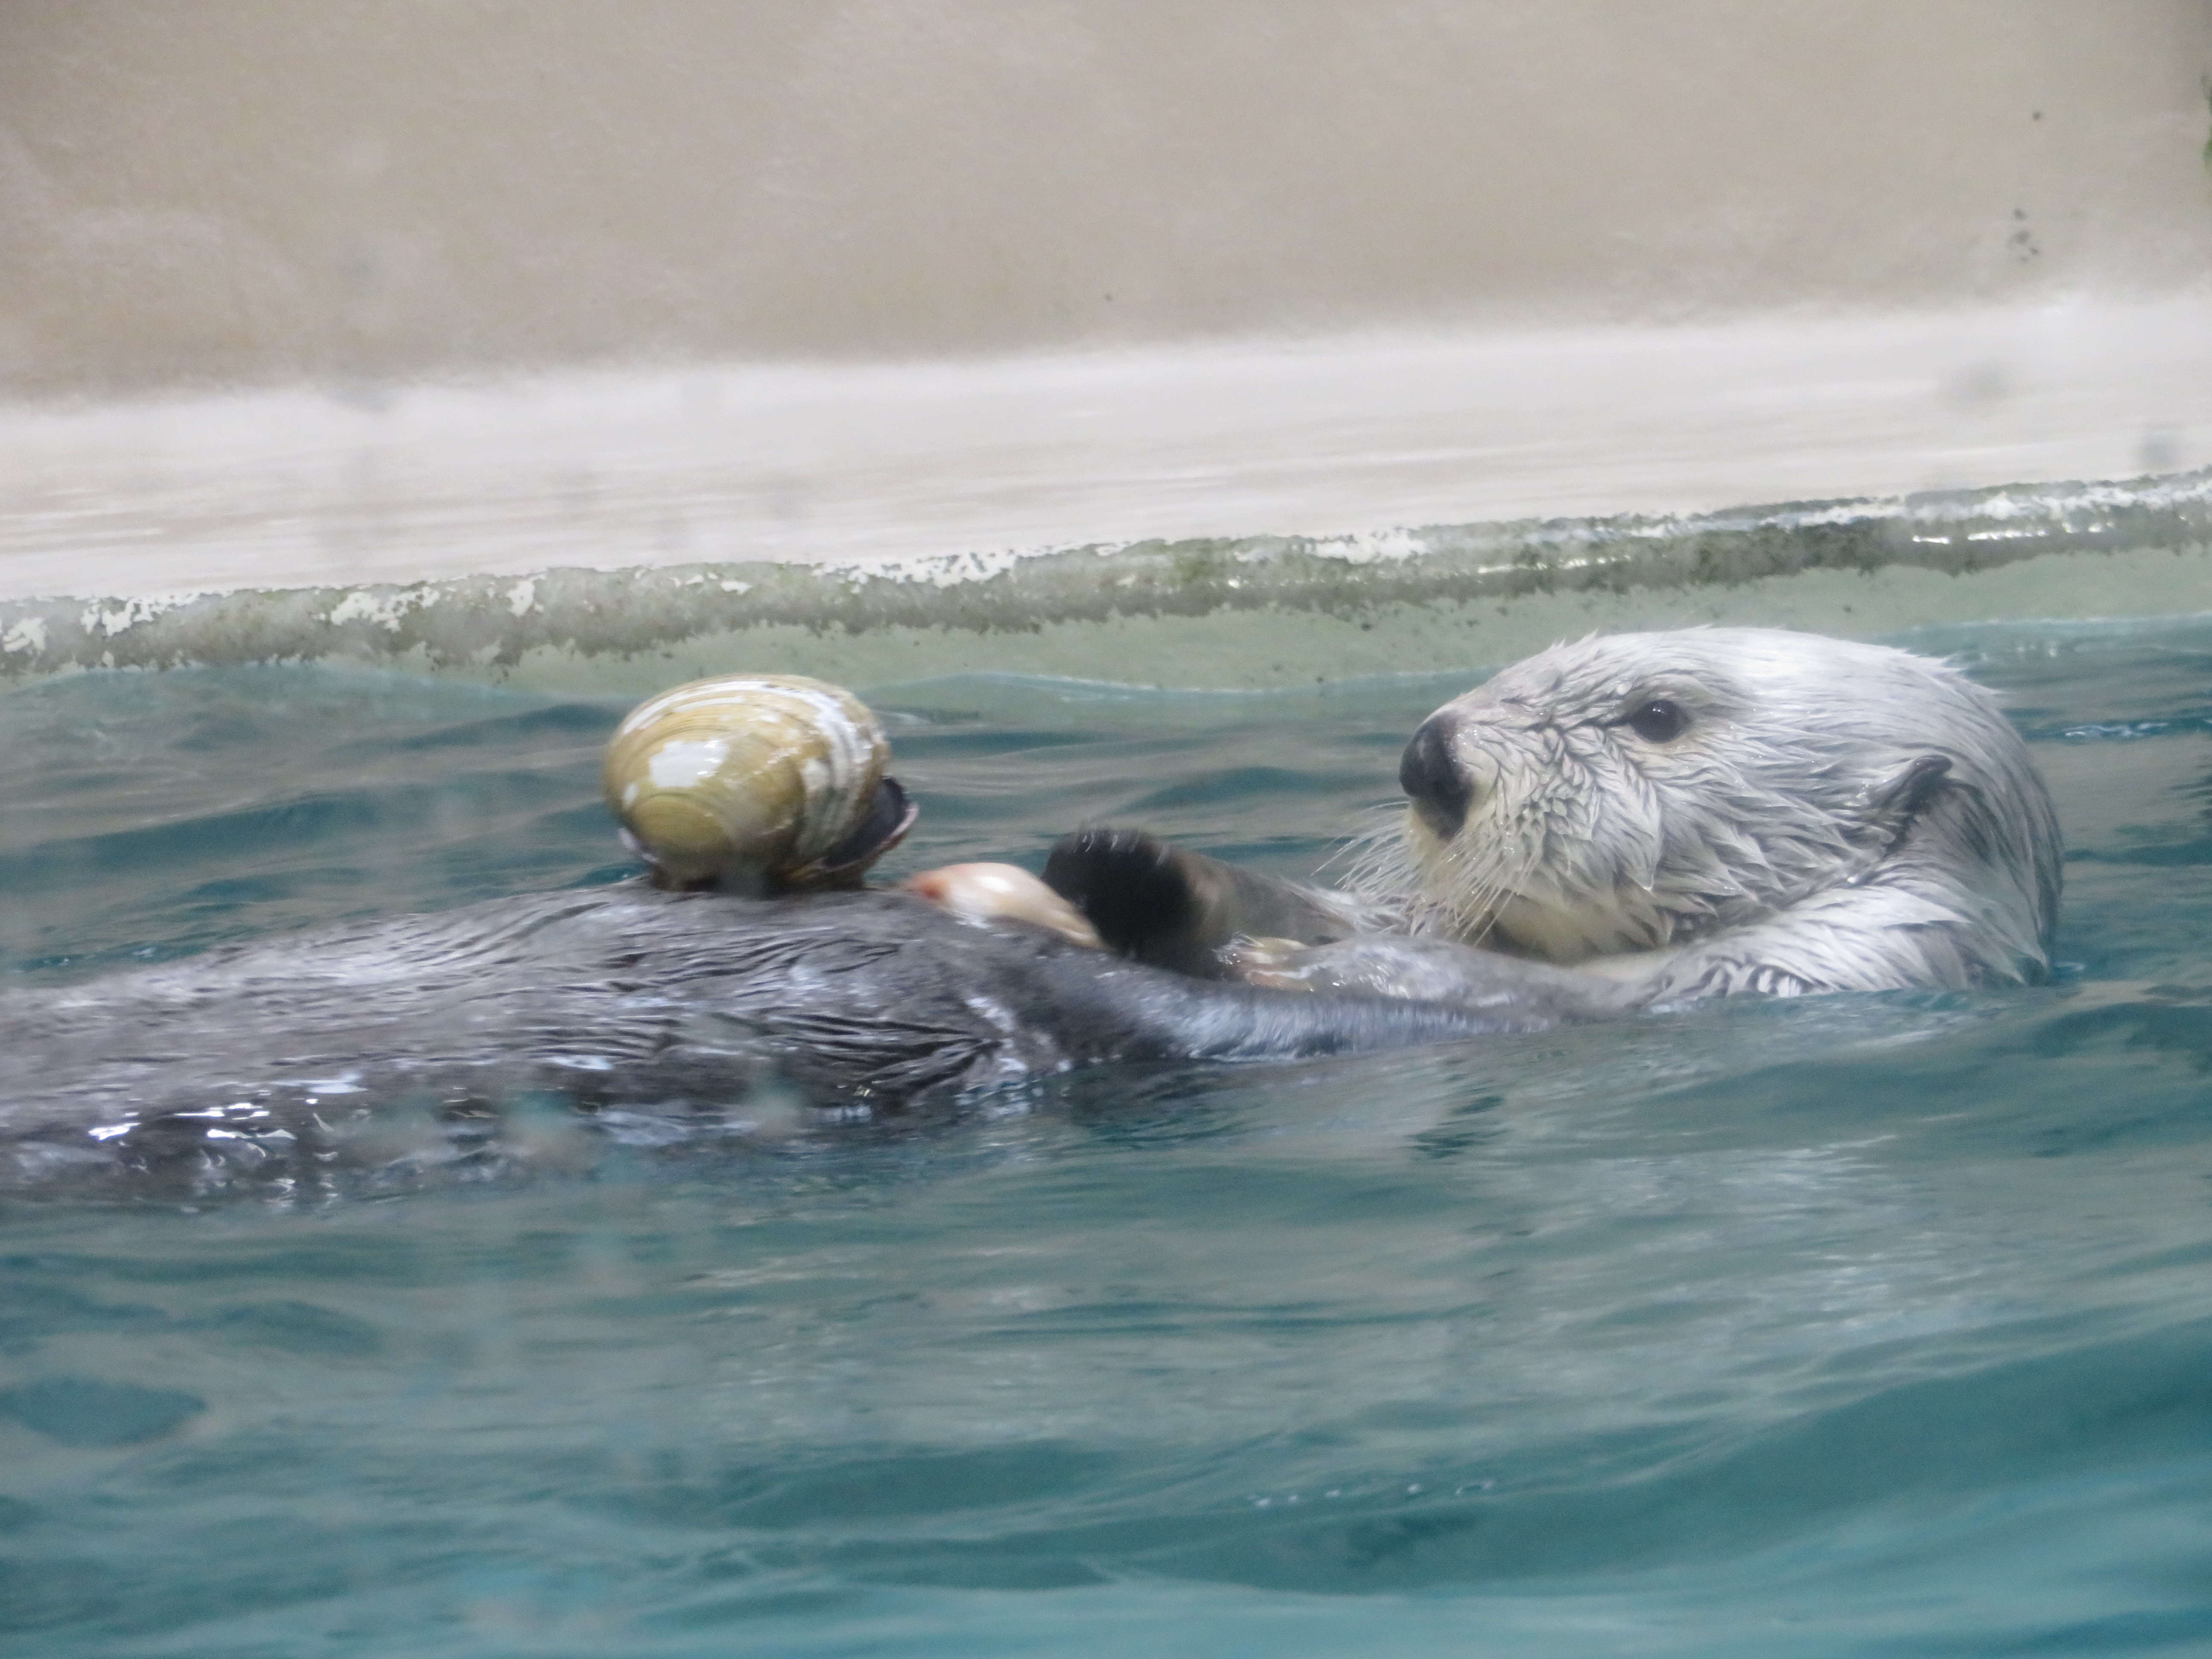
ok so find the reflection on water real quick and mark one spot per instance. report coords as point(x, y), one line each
point(1857, 1324)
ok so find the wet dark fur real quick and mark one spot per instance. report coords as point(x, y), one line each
point(625, 995)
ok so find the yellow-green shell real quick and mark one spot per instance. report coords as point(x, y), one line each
point(744, 782)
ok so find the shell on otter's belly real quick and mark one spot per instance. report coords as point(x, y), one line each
point(756, 784)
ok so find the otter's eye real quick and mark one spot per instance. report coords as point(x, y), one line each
point(1658, 721)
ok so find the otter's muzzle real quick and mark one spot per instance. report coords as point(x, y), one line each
point(1434, 781)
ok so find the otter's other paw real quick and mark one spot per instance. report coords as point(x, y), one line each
point(1278, 964)
point(1427, 969)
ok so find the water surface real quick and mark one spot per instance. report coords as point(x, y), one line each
point(1856, 1325)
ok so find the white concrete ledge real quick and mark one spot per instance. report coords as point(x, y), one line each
point(951, 471)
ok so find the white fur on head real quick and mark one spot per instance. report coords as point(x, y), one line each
point(1830, 816)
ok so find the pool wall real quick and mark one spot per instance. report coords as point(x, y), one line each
point(1193, 346)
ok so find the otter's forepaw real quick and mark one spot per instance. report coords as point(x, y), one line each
point(1134, 888)
point(1408, 967)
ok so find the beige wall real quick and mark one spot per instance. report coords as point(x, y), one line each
point(264, 189)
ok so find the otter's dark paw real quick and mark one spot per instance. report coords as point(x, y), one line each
point(1136, 890)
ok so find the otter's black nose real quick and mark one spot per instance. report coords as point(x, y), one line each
point(1432, 778)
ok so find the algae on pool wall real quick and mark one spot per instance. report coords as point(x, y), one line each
point(1252, 649)
point(1262, 610)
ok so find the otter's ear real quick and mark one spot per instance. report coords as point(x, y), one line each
point(1894, 803)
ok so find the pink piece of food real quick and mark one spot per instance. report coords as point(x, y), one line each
point(988, 892)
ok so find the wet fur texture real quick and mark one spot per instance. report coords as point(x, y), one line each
point(613, 996)
point(1831, 815)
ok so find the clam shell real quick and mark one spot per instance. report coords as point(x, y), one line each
point(749, 783)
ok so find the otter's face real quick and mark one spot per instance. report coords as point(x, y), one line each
point(1634, 793)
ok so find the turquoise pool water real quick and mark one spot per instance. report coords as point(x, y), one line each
point(1854, 1325)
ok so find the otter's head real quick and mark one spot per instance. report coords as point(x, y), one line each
point(1644, 790)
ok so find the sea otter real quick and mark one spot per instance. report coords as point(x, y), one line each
point(1615, 826)
point(1643, 820)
